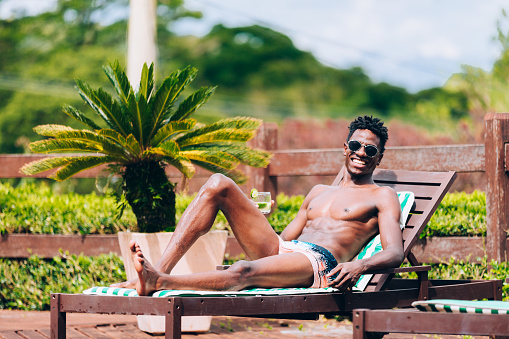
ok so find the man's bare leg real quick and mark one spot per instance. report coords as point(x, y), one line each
point(287, 270)
point(250, 227)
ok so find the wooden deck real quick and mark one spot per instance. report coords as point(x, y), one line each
point(36, 326)
point(222, 327)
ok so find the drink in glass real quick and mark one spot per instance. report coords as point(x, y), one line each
point(263, 201)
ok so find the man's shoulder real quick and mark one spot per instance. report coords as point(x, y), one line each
point(385, 190)
point(319, 188)
point(386, 194)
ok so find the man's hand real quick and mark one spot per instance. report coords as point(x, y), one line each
point(348, 274)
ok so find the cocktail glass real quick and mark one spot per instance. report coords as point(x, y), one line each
point(263, 201)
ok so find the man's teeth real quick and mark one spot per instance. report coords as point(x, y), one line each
point(357, 161)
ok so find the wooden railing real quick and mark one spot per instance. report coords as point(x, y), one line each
point(489, 157)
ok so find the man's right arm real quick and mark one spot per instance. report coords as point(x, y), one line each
point(295, 227)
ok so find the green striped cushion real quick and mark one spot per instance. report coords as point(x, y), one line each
point(406, 200)
point(127, 292)
point(463, 306)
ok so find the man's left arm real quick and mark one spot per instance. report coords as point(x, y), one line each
point(389, 211)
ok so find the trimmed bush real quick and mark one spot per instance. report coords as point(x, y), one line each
point(34, 208)
point(459, 214)
point(27, 284)
point(463, 269)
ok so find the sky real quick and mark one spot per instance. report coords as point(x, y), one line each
point(415, 44)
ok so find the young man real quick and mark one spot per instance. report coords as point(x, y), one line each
point(331, 227)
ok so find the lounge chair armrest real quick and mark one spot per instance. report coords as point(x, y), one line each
point(401, 270)
point(388, 270)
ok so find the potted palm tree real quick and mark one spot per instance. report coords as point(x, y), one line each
point(145, 131)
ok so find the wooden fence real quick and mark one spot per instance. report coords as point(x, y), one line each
point(489, 157)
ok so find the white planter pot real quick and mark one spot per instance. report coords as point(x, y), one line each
point(205, 254)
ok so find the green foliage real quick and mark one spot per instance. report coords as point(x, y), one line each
point(464, 269)
point(27, 284)
point(285, 212)
point(459, 214)
point(34, 208)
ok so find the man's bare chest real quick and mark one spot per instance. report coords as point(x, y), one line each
point(344, 204)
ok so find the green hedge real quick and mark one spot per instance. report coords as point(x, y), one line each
point(27, 284)
point(459, 214)
point(463, 269)
point(34, 208)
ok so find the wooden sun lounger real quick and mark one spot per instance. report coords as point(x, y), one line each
point(375, 323)
point(382, 293)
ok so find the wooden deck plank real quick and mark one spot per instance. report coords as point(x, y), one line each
point(113, 332)
point(45, 332)
point(9, 335)
point(93, 332)
point(73, 333)
point(133, 331)
point(31, 334)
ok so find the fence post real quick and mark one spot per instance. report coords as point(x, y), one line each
point(266, 139)
point(497, 185)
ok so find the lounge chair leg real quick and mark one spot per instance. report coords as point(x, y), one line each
point(57, 318)
point(423, 285)
point(359, 326)
point(173, 320)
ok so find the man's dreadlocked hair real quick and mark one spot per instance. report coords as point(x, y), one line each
point(375, 125)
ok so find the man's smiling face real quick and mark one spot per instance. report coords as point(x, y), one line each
point(358, 163)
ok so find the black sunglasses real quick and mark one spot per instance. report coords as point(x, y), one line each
point(371, 150)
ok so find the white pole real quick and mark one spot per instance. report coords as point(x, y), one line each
point(141, 38)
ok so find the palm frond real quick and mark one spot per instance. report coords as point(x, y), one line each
point(171, 129)
point(169, 152)
point(240, 123)
point(147, 81)
point(133, 144)
point(130, 142)
point(52, 130)
point(226, 134)
point(79, 164)
point(137, 117)
point(119, 80)
point(64, 145)
point(106, 107)
point(168, 93)
point(244, 154)
point(185, 166)
point(192, 103)
point(43, 165)
point(218, 158)
point(234, 174)
point(102, 144)
point(79, 116)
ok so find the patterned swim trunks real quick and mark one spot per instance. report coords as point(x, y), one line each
point(321, 259)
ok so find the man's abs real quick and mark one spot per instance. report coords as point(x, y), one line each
point(342, 238)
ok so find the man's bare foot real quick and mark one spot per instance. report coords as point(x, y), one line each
point(147, 274)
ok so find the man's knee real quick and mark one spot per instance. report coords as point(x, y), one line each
point(217, 186)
